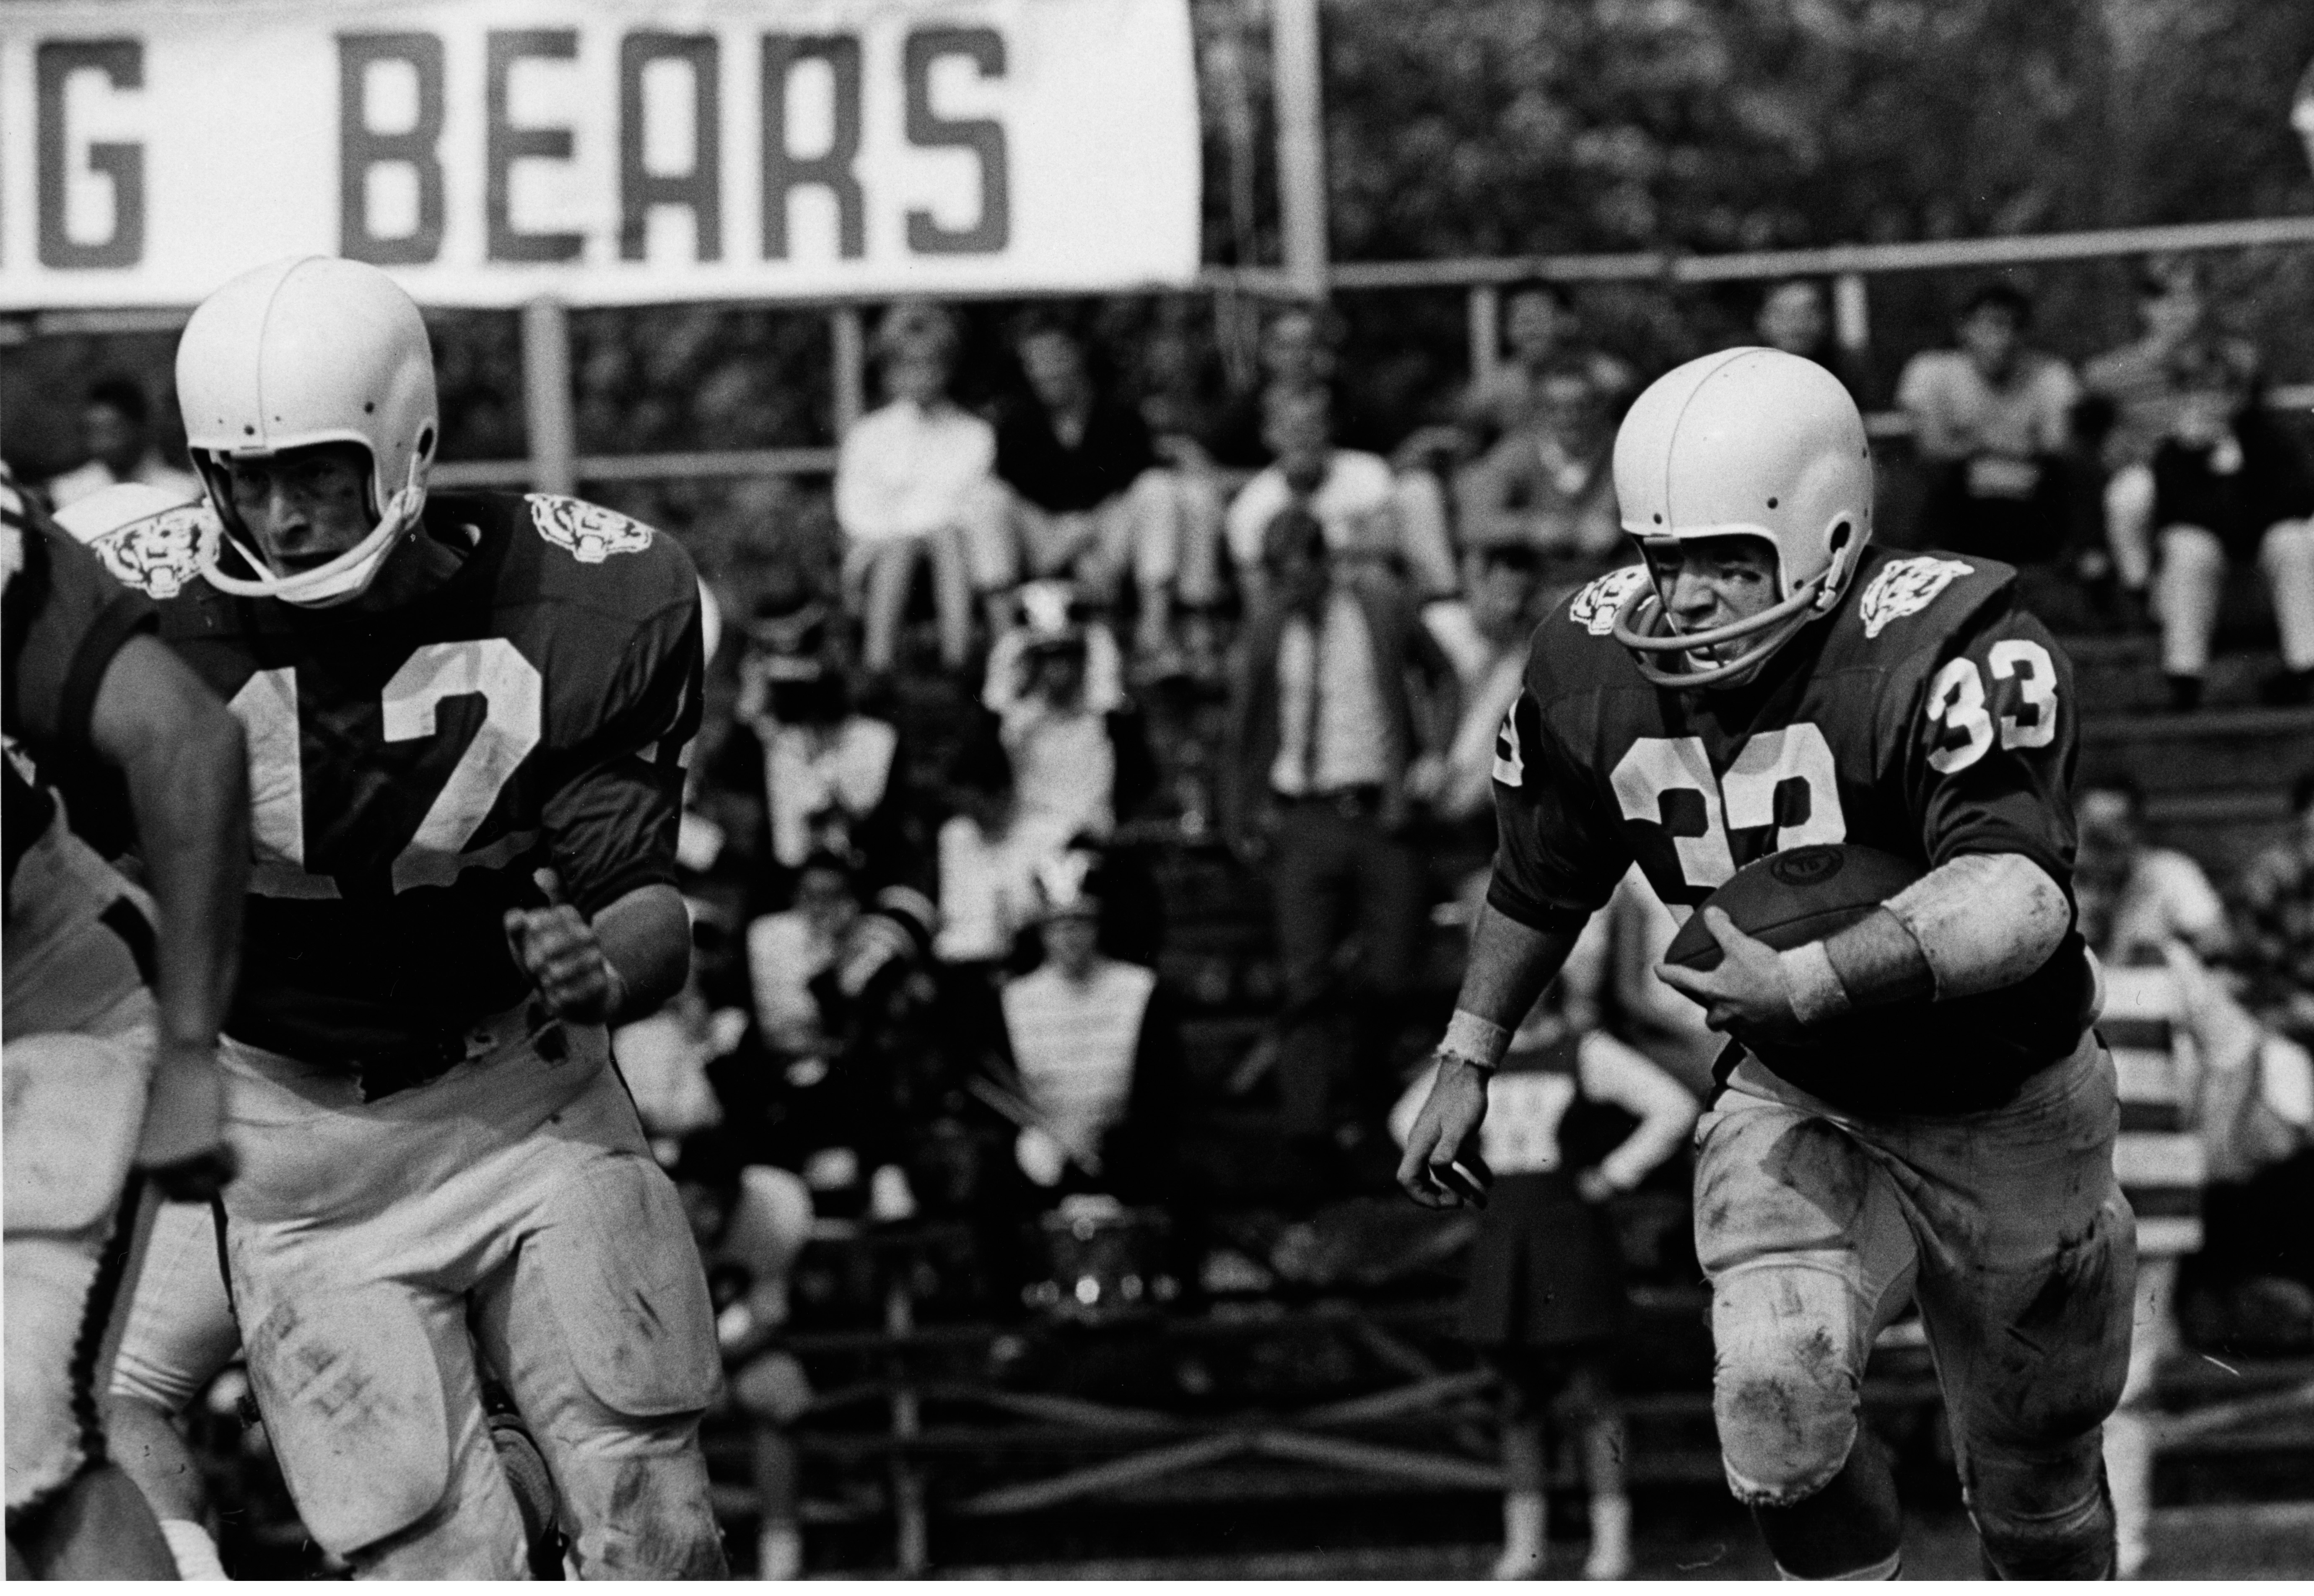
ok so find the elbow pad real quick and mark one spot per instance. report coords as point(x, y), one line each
point(1983, 920)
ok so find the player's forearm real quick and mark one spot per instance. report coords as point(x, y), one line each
point(646, 937)
point(181, 754)
point(1510, 965)
point(1974, 924)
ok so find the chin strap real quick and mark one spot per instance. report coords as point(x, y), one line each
point(1642, 627)
point(341, 580)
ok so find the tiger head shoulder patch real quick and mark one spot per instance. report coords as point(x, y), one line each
point(162, 553)
point(1906, 587)
point(587, 532)
point(1596, 606)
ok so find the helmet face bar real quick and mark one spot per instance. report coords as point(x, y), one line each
point(1745, 442)
point(304, 352)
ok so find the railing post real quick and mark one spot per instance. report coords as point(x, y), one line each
point(1484, 310)
point(550, 412)
point(849, 329)
point(1296, 83)
point(1852, 317)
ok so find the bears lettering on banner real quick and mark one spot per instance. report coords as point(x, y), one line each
point(589, 531)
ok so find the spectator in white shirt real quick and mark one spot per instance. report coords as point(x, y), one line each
point(2134, 899)
point(1992, 421)
point(915, 479)
point(116, 423)
point(1369, 521)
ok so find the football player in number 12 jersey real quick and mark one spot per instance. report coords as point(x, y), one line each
point(466, 720)
point(1763, 679)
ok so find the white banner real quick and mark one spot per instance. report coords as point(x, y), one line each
point(489, 152)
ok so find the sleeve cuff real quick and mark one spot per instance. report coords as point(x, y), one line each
point(1534, 912)
point(122, 618)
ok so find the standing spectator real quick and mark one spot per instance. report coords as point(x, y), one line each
point(2277, 919)
point(2132, 899)
point(116, 429)
point(1610, 977)
point(1340, 709)
point(1502, 614)
point(1545, 1298)
point(1546, 483)
point(1544, 333)
point(2133, 395)
point(913, 482)
point(2230, 485)
point(1352, 496)
point(1090, 499)
point(1991, 421)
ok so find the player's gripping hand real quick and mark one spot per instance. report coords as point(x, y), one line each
point(1748, 994)
point(559, 950)
point(1442, 1168)
point(183, 1147)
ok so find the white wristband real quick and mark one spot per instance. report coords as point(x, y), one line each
point(1479, 1040)
point(1814, 984)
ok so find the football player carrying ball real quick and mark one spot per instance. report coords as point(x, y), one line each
point(1768, 679)
point(460, 710)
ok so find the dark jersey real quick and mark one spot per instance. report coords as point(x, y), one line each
point(410, 769)
point(61, 621)
point(1930, 717)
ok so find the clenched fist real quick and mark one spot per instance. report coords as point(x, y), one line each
point(563, 958)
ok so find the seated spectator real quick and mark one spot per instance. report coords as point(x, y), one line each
point(1991, 422)
point(1353, 495)
point(914, 483)
point(1059, 752)
point(2132, 396)
point(116, 429)
point(2277, 923)
point(1091, 1067)
point(1340, 709)
point(2231, 486)
point(800, 770)
point(1546, 483)
point(1296, 351)
point(1502, 589)
point(843, 998)
point(1545, 335)
point(2211, 1100)
point(2132, 899)
point(1792, 318)
point(1092, 501)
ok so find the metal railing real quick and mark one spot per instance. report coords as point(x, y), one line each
point(554, 461)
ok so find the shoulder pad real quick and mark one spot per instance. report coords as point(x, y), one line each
point(1595, 605)
point(587, 532)
point(1906, 588)
point(161, 554)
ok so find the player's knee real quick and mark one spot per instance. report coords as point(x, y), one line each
point(661, 1524)
point(1785, 1397)
point(2047, 1517)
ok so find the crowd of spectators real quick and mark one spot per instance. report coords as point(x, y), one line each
point(929, 935)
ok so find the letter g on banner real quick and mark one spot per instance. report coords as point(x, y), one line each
point(122, 63)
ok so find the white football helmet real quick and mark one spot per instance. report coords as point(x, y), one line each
point(311, 350)
point(1747, 442)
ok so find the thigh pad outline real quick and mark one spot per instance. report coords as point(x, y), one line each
point(351, 1391)
point(75, 1107)
point(629, 1293)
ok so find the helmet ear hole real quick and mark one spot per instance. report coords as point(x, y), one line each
point(426, 444)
